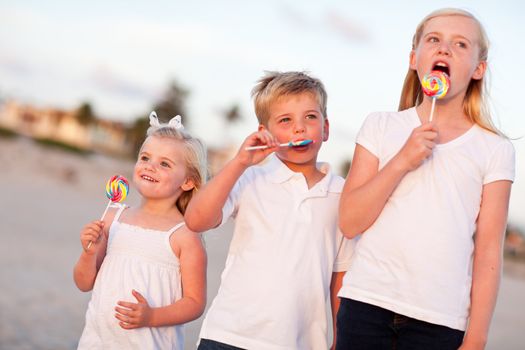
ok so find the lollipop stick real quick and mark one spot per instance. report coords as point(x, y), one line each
point(102, 218)
point(105, 211)
point(432, 109)
point(251, 148)
point(286, 144)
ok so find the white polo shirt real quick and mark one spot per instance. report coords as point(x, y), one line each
point(285, 246)
point(416, 259)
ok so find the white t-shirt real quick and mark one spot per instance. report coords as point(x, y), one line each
point(285, 246)
point(416, 259)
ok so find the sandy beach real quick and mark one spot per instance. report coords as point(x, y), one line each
point(47, 195)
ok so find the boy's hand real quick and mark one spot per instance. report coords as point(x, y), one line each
point(134, 315)
point(418, 147)
point(259, 138)
point(92, 232)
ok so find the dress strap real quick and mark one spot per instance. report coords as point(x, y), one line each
point(170, 232)
point(119, 212)
point(176, 227)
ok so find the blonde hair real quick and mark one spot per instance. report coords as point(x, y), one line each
point(274, 85)
point(194, 156)
point(475, 104)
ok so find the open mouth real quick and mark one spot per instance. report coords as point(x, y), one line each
point(300, 143)
point(148, 178)
point(441, 67)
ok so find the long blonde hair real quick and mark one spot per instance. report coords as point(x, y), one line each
point(475, 104)
point(194, 156)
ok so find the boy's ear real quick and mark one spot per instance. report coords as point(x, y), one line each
point(326, 129)
point(188, 185)
point(261, 127)
point(412, 60)
point(479, 72)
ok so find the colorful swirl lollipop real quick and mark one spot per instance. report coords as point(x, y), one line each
point(435, 84)
point(117, 189)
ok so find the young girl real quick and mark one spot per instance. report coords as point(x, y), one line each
point(146, 269)
point(430, 200)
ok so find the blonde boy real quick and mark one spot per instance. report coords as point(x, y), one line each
point(287, 255)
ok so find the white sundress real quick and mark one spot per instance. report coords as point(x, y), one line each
point(141, 259)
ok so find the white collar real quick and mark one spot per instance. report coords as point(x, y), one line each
point(278, 172)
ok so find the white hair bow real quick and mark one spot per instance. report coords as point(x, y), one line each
point(175, 122)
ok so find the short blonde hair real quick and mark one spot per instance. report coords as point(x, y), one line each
point(274, 85)
point(194, 156)
point(475, 104)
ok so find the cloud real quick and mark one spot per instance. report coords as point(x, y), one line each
point(330, 21)
point(105, 79)
point(15, 67)
point(296, 18)
point(348, 29)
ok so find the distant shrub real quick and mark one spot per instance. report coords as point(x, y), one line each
point(7, 133)
point(62, 146)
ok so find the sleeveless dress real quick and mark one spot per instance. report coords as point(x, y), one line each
point(141, 259)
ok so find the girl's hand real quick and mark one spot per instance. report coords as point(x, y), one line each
point(134, 315)
point(259, 138)
point(92, 232)
point(418, 147)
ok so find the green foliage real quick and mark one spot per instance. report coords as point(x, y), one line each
point(85, 114)
point(7, 133)
point(172, 103)
point(233, 114)
point(137, 133)
point(63, 146)
point(345, 167)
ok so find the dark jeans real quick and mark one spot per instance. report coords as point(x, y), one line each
point(208, 344)
point(362, 326)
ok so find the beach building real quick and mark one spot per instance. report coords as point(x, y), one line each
point(64, 126)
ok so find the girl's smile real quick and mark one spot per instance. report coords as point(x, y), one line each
point(160, 170)
point(148, 178)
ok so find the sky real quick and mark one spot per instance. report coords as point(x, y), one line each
point(121, 55)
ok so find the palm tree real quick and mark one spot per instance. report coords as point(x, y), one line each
point(85, 114)
point(233, 114)
point(172, 103)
